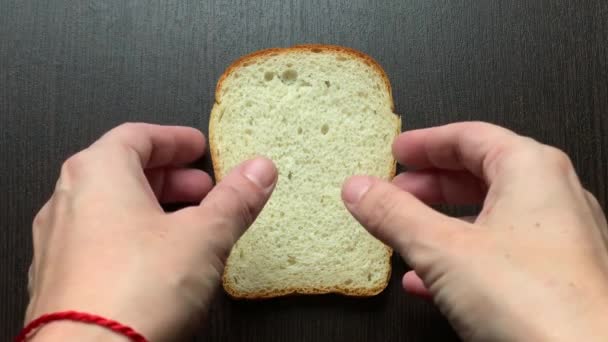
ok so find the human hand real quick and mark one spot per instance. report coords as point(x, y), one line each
point(103, 244)
point(533, 266)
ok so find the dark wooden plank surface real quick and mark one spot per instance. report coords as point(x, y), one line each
point(70, 70)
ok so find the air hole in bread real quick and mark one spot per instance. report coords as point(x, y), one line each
point(327, 84)
point(236, 75)
point(348, 282)
point(362, 94)
point(369, 277)
point(299, 130)
point(291, 260)
point(340, 58)
point(289, 175)
point(241, 254)
point(289, 65)
point(305, 84)
point(248, 131)
point(315, 50)
point(324, 129)
point(268, 76)
point(289, 76)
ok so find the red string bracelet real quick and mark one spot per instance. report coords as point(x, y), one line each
point(84, 318)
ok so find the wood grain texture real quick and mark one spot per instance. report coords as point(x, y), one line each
point(70, 70)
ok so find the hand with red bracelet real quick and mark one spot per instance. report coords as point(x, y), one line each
point(533, 266)
point(103, 244)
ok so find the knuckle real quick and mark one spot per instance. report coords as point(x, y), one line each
point(558, 158)
point(73, 166)
point(495, 158)
point(245, 213)
point(504, 155)
point(235, 205)
point(42, 215)
point(124, 130)
point(379, 207)
point(592, 200)
point(39, 220)
point(514, 154)
point(128, 127)
point(476, 128)
point(37, 227)
point(61, 196)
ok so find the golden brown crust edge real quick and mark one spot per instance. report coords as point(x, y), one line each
point(215, 158)
point(338, 290)
point(305, 47)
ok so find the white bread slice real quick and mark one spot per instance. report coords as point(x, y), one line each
point(321, 113)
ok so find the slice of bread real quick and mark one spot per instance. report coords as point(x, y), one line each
point(322, 114)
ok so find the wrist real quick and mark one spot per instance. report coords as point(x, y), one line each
point(86, 321)
point(75, 331)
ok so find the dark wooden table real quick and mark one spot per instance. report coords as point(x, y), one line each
point(72, 69)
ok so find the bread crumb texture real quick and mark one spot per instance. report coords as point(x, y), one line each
point(322, 114)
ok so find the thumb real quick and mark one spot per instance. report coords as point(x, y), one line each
point(400, 220)
point(235, 202)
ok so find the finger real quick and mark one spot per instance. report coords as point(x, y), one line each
point(155, 145)
point(412, 283)
point(510, 165)
point(232, 206)
point(398, 218)
point(173, 185)
point(442, 187)
point(469, 219)
point(471, 146)
point(117, 160)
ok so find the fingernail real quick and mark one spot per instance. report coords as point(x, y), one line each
point(261, 171)
point(355, 188)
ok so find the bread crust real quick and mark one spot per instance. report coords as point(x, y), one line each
point(305, 47)
point(217, 167)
